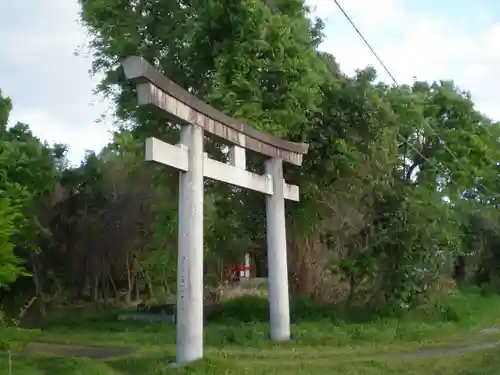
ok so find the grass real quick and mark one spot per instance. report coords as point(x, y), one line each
point(326, 341)
point(478, 363)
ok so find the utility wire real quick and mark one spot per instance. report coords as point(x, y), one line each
point(397, 84)
point(366, 42)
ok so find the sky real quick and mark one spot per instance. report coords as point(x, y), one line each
point(44, 65)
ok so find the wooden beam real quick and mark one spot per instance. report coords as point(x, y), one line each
point(155, 89)
point(177, 157)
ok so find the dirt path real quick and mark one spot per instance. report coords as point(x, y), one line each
point(457, 350)
point(97, 352)
point(93, 352)
point(442, 352)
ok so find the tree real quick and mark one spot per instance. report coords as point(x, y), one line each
point(11, 266)
point(399, 182)
point(371, 210)
point(28, 175)
point(221, 51)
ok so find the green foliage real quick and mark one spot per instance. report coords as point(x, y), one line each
point(27, 175)
point(380, 222)
point(398, 184)
point(371, 206)
point(10, 265)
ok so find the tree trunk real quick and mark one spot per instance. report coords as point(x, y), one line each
point(149, 284)
point(95, 291)
point(137, 289)
point(38, 289)
point(128, 297)
point(115, 290)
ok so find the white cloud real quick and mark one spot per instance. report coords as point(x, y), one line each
point(50, 86)
point(52, 129)
point(419, 44)
point(52, 91)
point(379, 14)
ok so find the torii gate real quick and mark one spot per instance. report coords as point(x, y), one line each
point(195, 117)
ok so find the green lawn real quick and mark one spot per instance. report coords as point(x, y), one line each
point(323, 343)
point(479, 363)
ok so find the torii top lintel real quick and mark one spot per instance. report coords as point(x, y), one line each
point(159, 91)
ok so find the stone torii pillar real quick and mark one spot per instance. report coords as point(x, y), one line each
point(196, 117)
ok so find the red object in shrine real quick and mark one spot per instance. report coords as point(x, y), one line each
point(234, 271)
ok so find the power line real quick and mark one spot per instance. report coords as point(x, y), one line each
point(397, 84)
point(366, 42)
